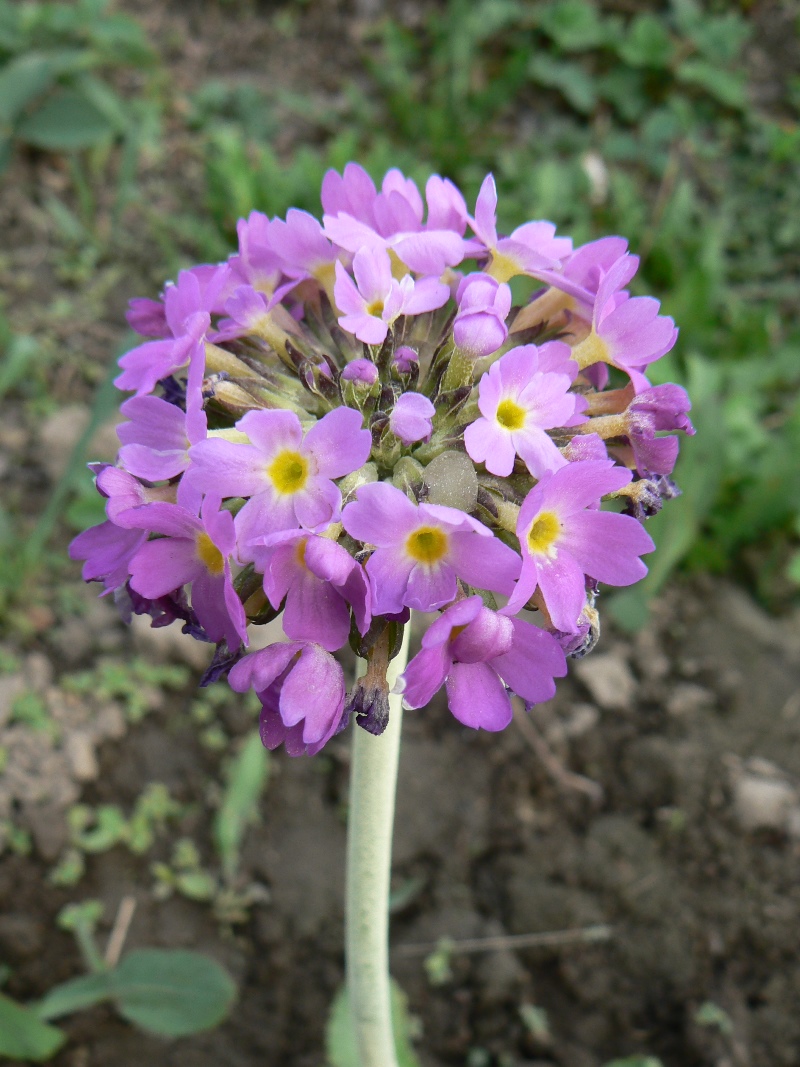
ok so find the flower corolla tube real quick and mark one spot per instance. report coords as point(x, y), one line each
point(348, 420)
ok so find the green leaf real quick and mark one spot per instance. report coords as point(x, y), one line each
point(29, 75)
point(66, 121)
point(647, 43)
point(571, 80)
point(573, 24)
point(172, 992)
point(75, 995)
point(728, 87)
point(340, 1041)
point(246, 780)
point(23, 1035)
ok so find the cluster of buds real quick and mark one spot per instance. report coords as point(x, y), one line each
point(343, 423)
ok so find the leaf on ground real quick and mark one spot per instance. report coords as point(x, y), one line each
point(64, 122)
point(172, 992)
point(24, 1036)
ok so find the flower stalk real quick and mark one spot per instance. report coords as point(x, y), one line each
point(373, 782)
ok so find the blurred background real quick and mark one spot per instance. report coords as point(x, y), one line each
point(133, 134)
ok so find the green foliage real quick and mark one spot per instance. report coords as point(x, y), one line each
point(24, 1036)
point(340, 1040)
point(171, 993)
point(136, 684)
point(246, 779)
point(53, 61)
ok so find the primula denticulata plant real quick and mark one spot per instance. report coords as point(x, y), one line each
point(348, 421)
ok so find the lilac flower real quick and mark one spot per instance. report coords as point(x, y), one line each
point(108, 550)
point(302, 248)
point(155, 442)
point(411, 417)
point(191, 550)
point(257, 263)
point(480, 324)
point(188, 306)
point(523, 394)
point(422, 550)
point(405, 358)
point(380, 299)
point(361, 370)
point(627, 332)
point(564, 539)
point(358, 217)
point(287, 477)
point(319, 580)
point(475, 652)
point(530, 248)
point(301, 689)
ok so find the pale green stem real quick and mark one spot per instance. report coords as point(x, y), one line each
point(373, 780)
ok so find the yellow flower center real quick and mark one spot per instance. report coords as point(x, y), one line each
point(503, 268)
point(300, 551)
point(510, 415)
point(592, 349)
point(427, 545)
point(544, 533)
point(288, 472)
point(209, 555)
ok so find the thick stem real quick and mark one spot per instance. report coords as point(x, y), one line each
point(373, 778)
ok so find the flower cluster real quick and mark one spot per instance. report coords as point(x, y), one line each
point(348, 420)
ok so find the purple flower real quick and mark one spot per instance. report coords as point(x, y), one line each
point(319, 580)
point(257, 263)
point(155, 442)
point(188, 306)
point(195, 550)
point(302, 248)
point(422, 550)
point(475, 652)
point(108, 550)
point(301, 689)
point(530, 249)
point(405, 358)
point(286, 476)
point(380, 299)
point(564, 539)
point(663, 407)
point(361, 370)
point(523, 394)
point(480, 324)
point(358, 217)
point(627, 332)
point(411, 417)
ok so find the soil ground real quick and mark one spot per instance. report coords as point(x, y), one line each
point(687, 852)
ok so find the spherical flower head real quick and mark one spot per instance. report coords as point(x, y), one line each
point(476, 652)
point(301, 689)
point(523, 394)
point(480, 324)
point(421, 550)
point(565, 539)
point(287, 476)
